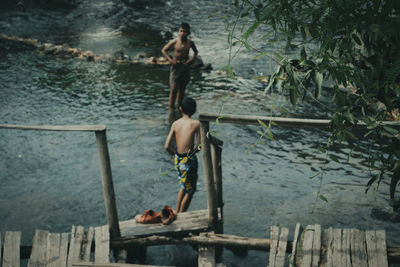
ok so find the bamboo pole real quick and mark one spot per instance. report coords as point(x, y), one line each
point(208, 174)
point(108, 187)
point(216, 152)
point(289, 122)
point(78, 128)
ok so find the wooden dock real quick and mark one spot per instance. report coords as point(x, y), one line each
point(311, 246)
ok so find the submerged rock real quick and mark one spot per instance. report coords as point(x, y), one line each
point(65, 51)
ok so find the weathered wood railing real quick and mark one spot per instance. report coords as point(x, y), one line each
point(105, 166)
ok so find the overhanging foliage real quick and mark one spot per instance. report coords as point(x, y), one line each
point(355, 45)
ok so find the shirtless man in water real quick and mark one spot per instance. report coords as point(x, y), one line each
point(185, 130)
point(179, 75)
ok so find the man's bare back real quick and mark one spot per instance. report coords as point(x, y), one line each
point(185, 129)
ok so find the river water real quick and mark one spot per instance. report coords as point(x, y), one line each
point(51, 180)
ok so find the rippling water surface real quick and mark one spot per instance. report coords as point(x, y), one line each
point(51, 180)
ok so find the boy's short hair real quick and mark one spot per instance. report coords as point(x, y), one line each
point(188, 106)
point(185, 26)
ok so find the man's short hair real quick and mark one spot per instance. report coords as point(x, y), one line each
point(185, 26)
point(188, 106)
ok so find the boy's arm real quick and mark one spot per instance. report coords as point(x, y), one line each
point(195, 52)
point(166, 48)
point(167, 145)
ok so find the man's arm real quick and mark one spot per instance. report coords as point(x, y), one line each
point(195, 52)
point(166, 48)
point(167, 145)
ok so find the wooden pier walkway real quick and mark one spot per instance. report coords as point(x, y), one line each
point(311, 246)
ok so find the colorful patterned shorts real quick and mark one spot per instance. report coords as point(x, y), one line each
point(187, 171)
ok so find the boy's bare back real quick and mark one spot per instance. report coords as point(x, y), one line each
point(185, 129)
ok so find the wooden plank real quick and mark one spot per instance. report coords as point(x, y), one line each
point(274, 236)
point(85, 128)
point(53, 250)
point(186, 222)
point(102, 244)
point(336, 247)
point(63, 249)
point(282, 244)
point(294, 245)
point(39, 249)
point(87, 244)
point(57, 246)
point(11, 254)
point(206, 256)
point(75, 245)
point(381, 248)
point(358, 249)
point(346, 262)
point(308, 234)
point(316, 249)
point(325, 248)
point(370, 239)
point(95, 264)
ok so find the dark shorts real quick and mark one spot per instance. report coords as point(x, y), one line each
point(179, 75)
point(187, 172)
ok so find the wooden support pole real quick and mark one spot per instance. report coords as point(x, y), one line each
point(216, 152)
point(208, 174)
point(108, 187)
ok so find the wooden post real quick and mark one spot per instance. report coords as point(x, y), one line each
point(108, 187)
point(208, 175)
point(216, 152)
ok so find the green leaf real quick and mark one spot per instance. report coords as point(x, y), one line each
point(334, 158)
point(292, 94)
point(284, 110)
point(391, 130)
point(229, 71)
point(251, 30)
point(262, 123)
point(356, 39)
point(303, 54)
point(394, 182)
point(303, 33)
point(270, 136)
point(323, 198)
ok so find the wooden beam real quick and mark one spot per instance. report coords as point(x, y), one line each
point(288, 122)
point(79, 128)
point(208, 239)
